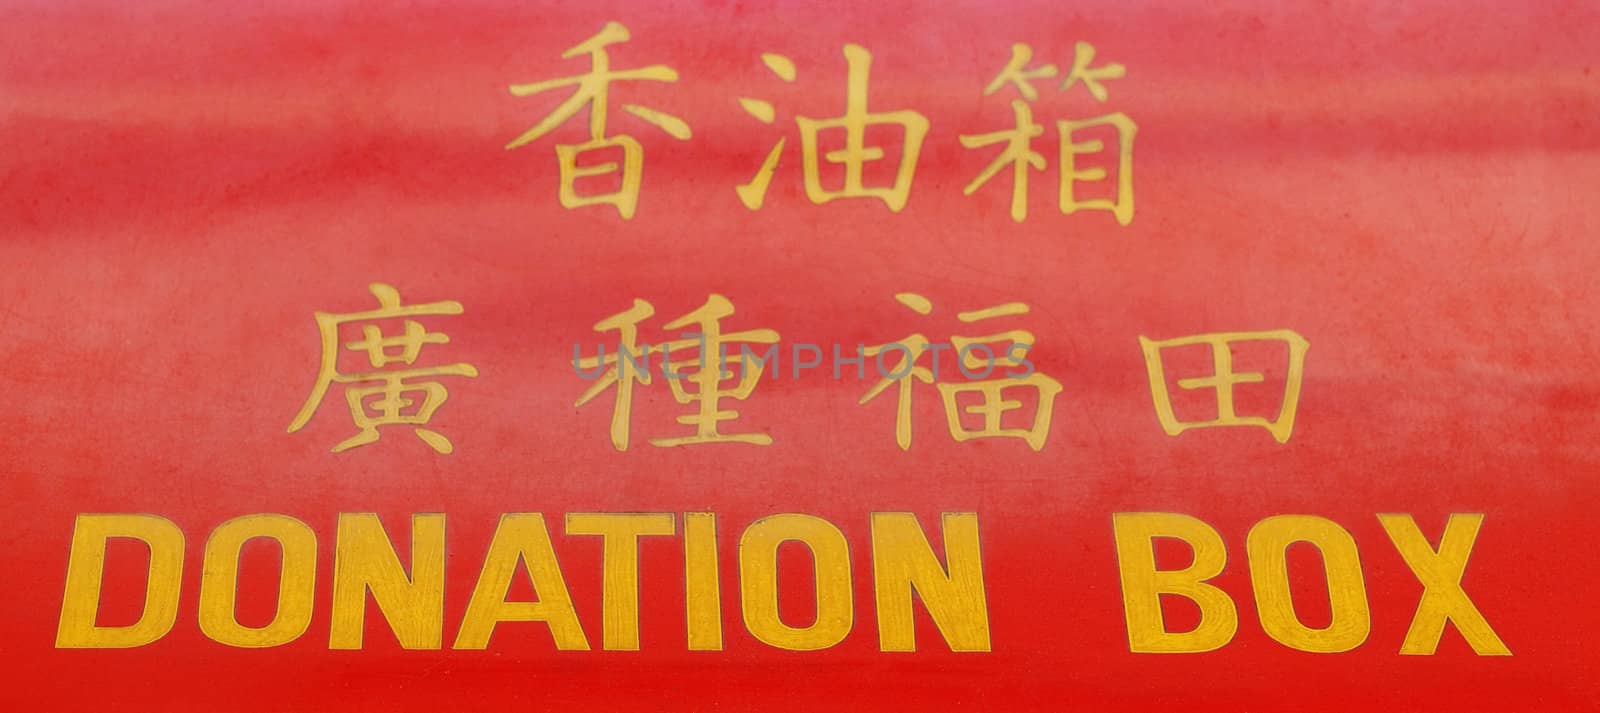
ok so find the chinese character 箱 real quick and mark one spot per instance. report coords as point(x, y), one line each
point(592, 90)
point(855, 154)
point(1017, 151)
point(385, 395)
point(704, 379)
point(1223, 378)
point(996, 395)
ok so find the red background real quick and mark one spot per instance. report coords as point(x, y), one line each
point(183, 184)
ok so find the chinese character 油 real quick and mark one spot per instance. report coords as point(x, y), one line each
point(855, 154)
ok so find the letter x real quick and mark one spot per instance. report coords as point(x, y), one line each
point(1440, 573)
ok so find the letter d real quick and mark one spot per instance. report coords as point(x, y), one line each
point(86, 566)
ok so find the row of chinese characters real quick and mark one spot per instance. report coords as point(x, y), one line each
point(708, 367)
point(591, 91)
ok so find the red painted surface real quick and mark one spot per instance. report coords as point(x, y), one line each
point(183, 184)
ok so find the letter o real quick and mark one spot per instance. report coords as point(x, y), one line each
point(297, 577)
point(1267, 546)
point(758, 581)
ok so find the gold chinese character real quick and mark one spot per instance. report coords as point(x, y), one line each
point(992, 392)
point(703, 384)
point(1223, 378)
point(624, 368)
point(1017, 74)
point(386, 401)
point(911, 349)
point(1082, 57)
point(1019, 154)
point(592, 90)
point(855, 153)
point(1122, 205)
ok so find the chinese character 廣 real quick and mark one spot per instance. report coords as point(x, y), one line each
point(381, 395)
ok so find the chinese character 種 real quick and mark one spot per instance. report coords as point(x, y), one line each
point(703, 379)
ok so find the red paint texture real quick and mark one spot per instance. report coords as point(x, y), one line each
point(182, 184)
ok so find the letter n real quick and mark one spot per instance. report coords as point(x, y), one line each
point(903, 562)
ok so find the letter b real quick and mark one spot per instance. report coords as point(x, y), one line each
point(1143, 584)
